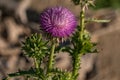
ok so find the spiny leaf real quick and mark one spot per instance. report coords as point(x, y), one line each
point(76, 2)
point(35, 46)
point(20, 73)
point(97, 20)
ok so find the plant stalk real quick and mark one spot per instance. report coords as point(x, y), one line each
point(82, 24)
point(76, 66)
point(37, 66)
point(36, 63)
point(51, 57)
point(78, 54)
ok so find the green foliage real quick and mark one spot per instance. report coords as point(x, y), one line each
point(85, 45)
point(35, 46)
point(96, 20)
point(76, 2)
point(107, 4)
point(61, 75)
point(30, 72)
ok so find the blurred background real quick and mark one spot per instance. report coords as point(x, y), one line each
point(20, 18)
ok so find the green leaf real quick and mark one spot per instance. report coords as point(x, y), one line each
point(35, 46)
point(97, 20)
point(76, 2)
point(20, 73)
point(61, 75)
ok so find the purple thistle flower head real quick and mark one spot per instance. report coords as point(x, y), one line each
point(58, 22)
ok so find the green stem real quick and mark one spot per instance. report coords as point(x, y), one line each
point(36, 63)
point(78, 54)
point(82, 24)
point(51, 57)
point(76, 65)
point(37, 66)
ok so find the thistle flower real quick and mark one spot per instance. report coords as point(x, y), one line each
point(58, 22)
